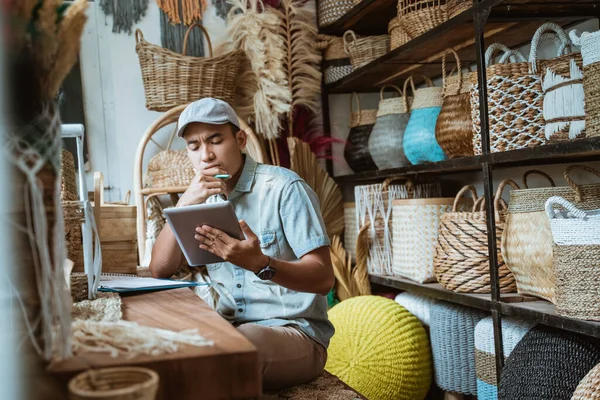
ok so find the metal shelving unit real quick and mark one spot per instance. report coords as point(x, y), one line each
point(511, 22)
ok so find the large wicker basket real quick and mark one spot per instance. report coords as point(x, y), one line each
point(590, 52)
point(420, 16)
point(171, 79)
point(363, 50)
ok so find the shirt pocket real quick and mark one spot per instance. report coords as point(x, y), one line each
point(269, 244)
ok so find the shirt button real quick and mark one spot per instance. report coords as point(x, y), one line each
point(240, 309)
point(239, 285)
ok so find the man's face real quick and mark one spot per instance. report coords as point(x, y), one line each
point(215, 146)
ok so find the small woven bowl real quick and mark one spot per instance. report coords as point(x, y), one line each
point(122, 383)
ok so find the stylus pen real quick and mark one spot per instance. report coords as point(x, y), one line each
point(222, 176)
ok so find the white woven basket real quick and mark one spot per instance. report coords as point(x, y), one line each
point(572, 226)
point(418, 304)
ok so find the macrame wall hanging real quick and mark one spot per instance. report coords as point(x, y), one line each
point(173, 33)
point(125, 13)
point(186, 11)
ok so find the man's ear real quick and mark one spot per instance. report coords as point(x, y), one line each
point(242, 139)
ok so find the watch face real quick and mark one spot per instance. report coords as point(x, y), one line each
point(266, 274)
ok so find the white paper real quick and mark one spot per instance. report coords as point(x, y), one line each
point(135, 282)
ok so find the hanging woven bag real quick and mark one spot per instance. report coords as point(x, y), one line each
point(356, 151)
point(590, 52)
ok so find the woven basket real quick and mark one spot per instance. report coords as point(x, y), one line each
point(385, 142)
point(548, 363)
point(122, 383)
point(332, 10)
point(419, 305)
point(336, 63)
point(562, 84)
point(73, 218)
point(68, 181)
point(453, 346)
point(415, 227)
point(420, 16)
point(515, 102)
point(420, 144)
point(576, 235)
point(454, 127)
point(350, 229)
point(590, 51)
point(456, 7)
point(527, 239)
point(171, 79)
point(589, 387)
point(398, 35)
point(365, 49)
point(356, 150)
point(462, 258)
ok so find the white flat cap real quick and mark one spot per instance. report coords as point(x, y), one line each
point(208, 110)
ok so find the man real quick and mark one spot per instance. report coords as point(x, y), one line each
point(273, 284)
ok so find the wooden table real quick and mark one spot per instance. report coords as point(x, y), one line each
point(227, 370)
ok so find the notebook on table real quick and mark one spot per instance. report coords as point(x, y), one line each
point(122, 283)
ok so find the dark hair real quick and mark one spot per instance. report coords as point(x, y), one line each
point(234, 129)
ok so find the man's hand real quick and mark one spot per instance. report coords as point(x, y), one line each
point(243, 253)
point(202, 187)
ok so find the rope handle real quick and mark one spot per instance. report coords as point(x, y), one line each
point(561, 40)
point(389, 86)
point(412, 84)
point(512, 56)
point(346, 43)
point(496, 48)
point(187, 35)
point(352, 96)
point(322, 42)
point(499, 203)
point(574, 186)
point(458, 68)
point(460, 193)
point(387, 182)
point(480, 205)
point(139, 36)
point(537, 172)
point(567, 205)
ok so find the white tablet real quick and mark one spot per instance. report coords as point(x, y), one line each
point(184, 220)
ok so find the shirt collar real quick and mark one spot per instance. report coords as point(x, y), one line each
point(246, 180)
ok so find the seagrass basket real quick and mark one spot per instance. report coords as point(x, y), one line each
point(363, 50)
point(420, 16)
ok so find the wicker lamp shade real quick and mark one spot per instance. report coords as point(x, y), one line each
point(589, 387)
point(547, 364)
point(380, 349)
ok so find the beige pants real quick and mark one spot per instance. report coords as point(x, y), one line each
point(287, 356)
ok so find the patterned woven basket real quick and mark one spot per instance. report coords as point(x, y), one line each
point(350, 229)
point(398, 35)
point(590, 52)
point(576, 235)
point(123, 383)
point(420, 16)
point(515, 102)
point(68, 187)
point(454, 127)
point(562, 84)
point(527, 239)
point(513, 331)
point(365, 49)
point(171, 79)
point(415, 227)
point(336, 63)
point(356, 150)
point(453, 346)
point(589, 387)
point(456, 7)
point(462, 259)
point(548, 363)
point(385, 142)
point(418, 304)
point(332, 10)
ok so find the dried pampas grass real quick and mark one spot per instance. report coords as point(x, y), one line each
point(304, 163)
point(342, 269)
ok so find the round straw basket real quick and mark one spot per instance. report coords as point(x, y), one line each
point(122, 383)
point(420, 16)
point(332, 10)
point(356, 151)
point(398, 35)
point(454, 127)
point(590, 51)
point(462, 259)
point(350, 229)
point(365, 49)
point(171, 79)
point(527, 239)
point(589, 387)
point(456, 7)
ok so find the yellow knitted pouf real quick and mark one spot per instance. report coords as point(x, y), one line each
point(379, 349)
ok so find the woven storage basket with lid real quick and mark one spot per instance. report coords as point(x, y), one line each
point(576, 235)
point(332, 10)
point(527, 239)
point(356, 150)
point(454, 127)
point(420, 16)
point(336, 63)
point(378, 342)
point(548, 363)
point(122, 383)
point(462, 258)
point(171, 79)
point(590, 51)
point(385, 142)
point(363, 50)
point(589, 387)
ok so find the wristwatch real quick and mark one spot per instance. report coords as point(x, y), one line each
point(267, 273)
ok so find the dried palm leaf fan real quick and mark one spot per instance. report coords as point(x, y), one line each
point(361, 273)
point(304, 163)
point(345, 286)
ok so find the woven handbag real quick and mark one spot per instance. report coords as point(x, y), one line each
point(363, 50)
point(454, 127)
point(462, 259)
point(332, 10)
point(562, 84)
point(385, 142)
point(356, 150)
point(420, 144)
point(515, 102)
point(527, 239)
point(420, 16)
point(589, 387)
point(576, 235)
point(398, 35)
point(590, 51)
point(336, 63)
point(171, 79)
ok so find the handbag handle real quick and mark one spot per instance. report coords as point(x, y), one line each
point(496, 48)
point(387, 182)
point(574, 186)
point(499, 202)
point(460, 193)
point(412, 84)
point(396, 88)
point(458, 68)
point(187, 35)
point(562, 41)
point(566, 204)
point(354, 95)
point(346, 42)
point(480, 205)
point(537, 172)
point(139, 36)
